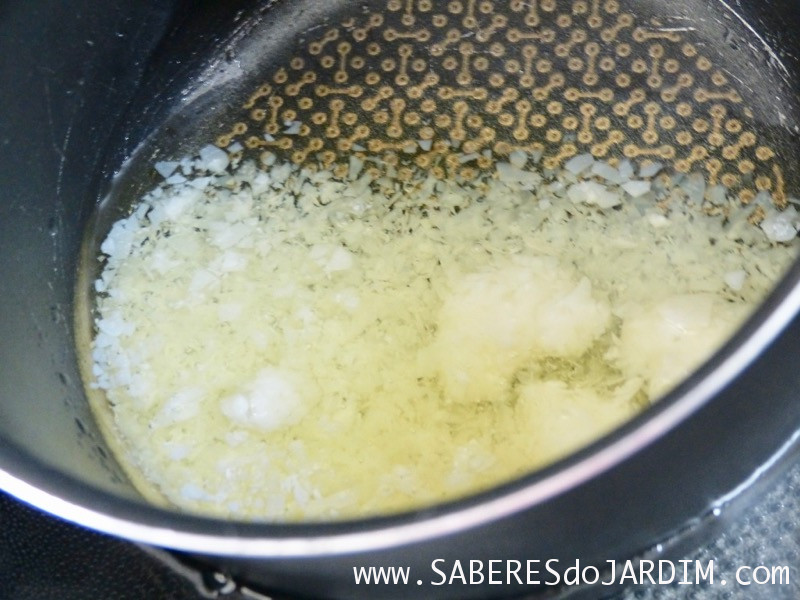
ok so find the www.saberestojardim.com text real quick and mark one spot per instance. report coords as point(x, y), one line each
point(557, 573)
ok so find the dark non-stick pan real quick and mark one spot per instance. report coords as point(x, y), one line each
point(93, 93)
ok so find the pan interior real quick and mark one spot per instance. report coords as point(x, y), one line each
point(452, 89)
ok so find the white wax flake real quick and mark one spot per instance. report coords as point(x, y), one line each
point(591, 192)
point(763, 199)
point(292, 127)
point(162, 261)
point(225, 236)
point(735, 279)
point(230, 262)
point(657, 220)
point(356, 164)
point(332, 258)
point(260, 339)
point(165, 168)
point(114, 325)
point(636, 188)
point(236, 438)
point(781, 226)
point(187, 166)
point(280, 173)
point(650, 169)
point(518, 158)
point(213, 159)
point(202, 280)
point(556, 187)
point(625, 169)
point(607, 172)
point(717, 195)
point(176, 179)
point(119, 242)
point(260, 184)
point(509, 174)
point(175, 205)
point(269, 402)
point(348, 298)
point(193, 492)
point(579, 164)
point(229, 311)
point(306, 314)
point(182, 406)
point(200, 183)
point(177, 452)
point(695, 187)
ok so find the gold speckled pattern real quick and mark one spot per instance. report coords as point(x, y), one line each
point(465, 77)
